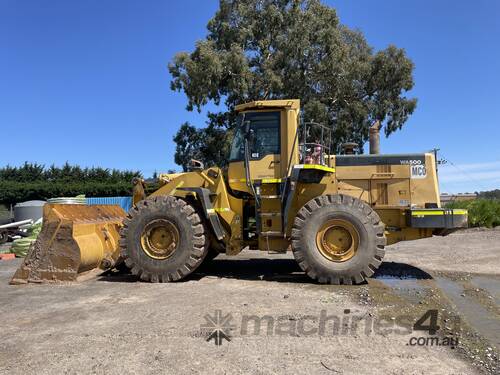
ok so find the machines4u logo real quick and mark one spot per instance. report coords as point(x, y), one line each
point(218, 326)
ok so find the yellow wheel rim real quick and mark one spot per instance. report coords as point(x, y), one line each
point(160, 239)
point(337, 240)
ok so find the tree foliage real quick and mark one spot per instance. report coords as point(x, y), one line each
point(209, 145)
point(274, 49)
point(35, 181)
point(491, 194)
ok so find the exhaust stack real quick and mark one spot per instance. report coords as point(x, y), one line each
point(375, 138)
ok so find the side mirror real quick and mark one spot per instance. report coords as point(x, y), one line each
point(251, 136)
point(249, 132)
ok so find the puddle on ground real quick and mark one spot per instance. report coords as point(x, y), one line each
point(484, 322)
point(489, 284)
point(409, 288)
point(413, 290)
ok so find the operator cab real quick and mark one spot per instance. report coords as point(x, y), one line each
point(267, 149)
point(274, 146)
point(269, 127)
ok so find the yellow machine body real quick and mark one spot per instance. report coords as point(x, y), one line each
point(402, 189)
point(271, 175)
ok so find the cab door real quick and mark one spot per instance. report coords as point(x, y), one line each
point(264, 147)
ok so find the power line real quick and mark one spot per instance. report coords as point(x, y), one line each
point(467, 175)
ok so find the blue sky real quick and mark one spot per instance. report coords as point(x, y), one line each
point(86, 81)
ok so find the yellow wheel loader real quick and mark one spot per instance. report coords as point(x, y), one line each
point(283, 190)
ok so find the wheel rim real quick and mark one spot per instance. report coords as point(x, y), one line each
point(160, 239)
point(337, 240)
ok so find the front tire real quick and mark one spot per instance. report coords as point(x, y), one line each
point(337, 239)
point(163, 239)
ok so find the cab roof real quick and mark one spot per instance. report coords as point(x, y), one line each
point(260, 104)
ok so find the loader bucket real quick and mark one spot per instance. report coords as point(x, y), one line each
point(74, 239)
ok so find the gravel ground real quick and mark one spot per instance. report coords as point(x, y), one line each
point(115, 324)
point(469, 251)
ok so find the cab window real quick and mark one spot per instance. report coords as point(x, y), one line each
point(266, 136)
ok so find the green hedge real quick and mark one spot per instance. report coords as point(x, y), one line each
point(12, 192)
point(482, 212)
point(36, 181)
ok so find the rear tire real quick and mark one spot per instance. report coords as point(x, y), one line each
point(186, 248)
point(359, 218)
